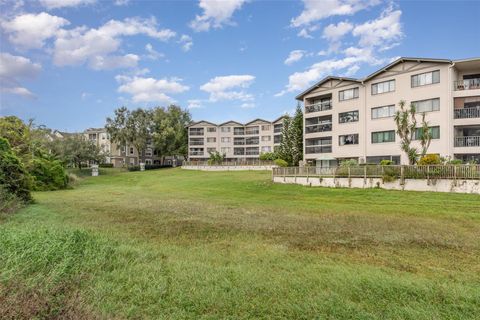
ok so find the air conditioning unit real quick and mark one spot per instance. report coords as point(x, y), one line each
point(361, 160)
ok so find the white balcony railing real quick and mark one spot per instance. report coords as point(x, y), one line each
point(196, 153)
point(468, 84)
point(467, 141)
point(467, 113)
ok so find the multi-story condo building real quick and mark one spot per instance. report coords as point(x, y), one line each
point(236, 140)
point(128, 155)
point(347, 118)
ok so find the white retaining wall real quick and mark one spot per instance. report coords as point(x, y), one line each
point(228, 168)
point(438, 185)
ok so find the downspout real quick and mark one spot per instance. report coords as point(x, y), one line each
point(365, 123)
point(450, 111)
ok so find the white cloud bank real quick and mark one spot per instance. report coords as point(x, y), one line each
point(294, 56)
point(150, 89)
point(13, 69)
point(56, 4)
point(216, 13)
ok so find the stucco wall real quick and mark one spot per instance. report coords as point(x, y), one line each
point(439, 185)
point(228, 168)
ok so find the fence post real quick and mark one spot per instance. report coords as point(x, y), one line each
point(402, 175)
point(428, 175)
point(348, 169)
point(364, 176)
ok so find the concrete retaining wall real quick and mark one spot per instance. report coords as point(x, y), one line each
point(228, 168)
point(439, 185)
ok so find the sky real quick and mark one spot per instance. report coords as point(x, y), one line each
point(69, 63)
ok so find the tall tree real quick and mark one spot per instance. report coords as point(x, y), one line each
point(74, 150)
point(286, 145)
point(170, 135)
point(425, 138)
point(139, 128)
point(117, 126)
point(296, 134)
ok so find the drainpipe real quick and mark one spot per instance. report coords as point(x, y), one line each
point(365, 123)
point(450, 111)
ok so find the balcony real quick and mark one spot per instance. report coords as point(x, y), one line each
point(318, 149)
point(468, 84)
point(238, 132)
point(318, 128)
point(196, 153)
point(278, 128)
point(467, 113)
point(319, 106)
point(467, 141)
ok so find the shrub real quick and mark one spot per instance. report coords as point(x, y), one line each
point(386, 162)
point(48, 174)
point(105, 165)
point(281, 163)
point(349, 163)
point(268, 156)
point(9, 203)
point(149, 167)
point(13, 176)
point(430, 159)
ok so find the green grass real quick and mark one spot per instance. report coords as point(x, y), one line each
point(177, 244)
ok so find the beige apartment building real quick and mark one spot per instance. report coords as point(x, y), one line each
point(125, 156)
point(347, 118)
point(236, 140)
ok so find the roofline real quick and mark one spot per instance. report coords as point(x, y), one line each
point(467, 60)
point(258, 119)
point(282, 116)
point(391, 64)
point(316, 85)
point(197, 122)
point(221, 124)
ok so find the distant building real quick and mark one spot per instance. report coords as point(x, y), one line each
point(347, 118)
point(236, 140)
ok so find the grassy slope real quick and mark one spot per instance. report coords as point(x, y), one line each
point(184, 244)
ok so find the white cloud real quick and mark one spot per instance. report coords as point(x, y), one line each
point(14, 69)
point(247, 105)
point(30, 31)
point(149, 89)
point(186, 42)
point(152, 53)
point(121, 2)
point(216, 13)
point(96, 46)
point(194, 104)
point(315, 10)
point(381, 31)
point(304, 34)
point(55, 4)
point(229, 88)
point(294, 56)
point(334, 32)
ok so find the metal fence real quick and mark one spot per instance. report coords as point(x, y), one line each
point(253, 162)
point(391, 172)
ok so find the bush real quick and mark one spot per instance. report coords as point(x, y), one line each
point(281, 163)
point(386, 162)
point(48, 174)
point(349, 163)
point(105, 165)
point(268, 156)
point(9, 203)
point(13, 176)
point(430, 159)
point(149, 167)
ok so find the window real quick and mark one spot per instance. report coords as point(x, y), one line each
point(252, 130)
point(318, 124)
point(278, 128)
point(131, 150)
point(383, 112)
point(348, 139)
point(266, 149)
point(316, 105)
point(423, 79)
point(211, 129)
point(383, 87)
point(251, 151)
point(196, 131)
point(239, 131)
point(225, 129)
point(377, 159)
point(211, 139)
point(148, 161)
point(383, 136)
point(148, 152)
point(348, 94)
point(239, 151)
point(226, 139)
point(266, 138)
point(266, 127)
point(238, 141)
point(210, 150)
point(252, 140)
point(196, 141)
point(277, 138)
point(427, 105)
point(434, 132)
point(318, 145)
point(225, 150)
point(345, 117)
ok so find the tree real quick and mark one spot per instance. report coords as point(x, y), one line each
point(75, 150)
point(117, 127)
point(14, 177)
point(286, 145)
point(18, 135)
point(170, 135)
point(296, 134)
point(406, 122)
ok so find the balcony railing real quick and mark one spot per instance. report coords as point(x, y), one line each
point(319, 106)
point(238, 133)
point(196, 143)
point(467, 113)
point(318, 128)
point(252, 153)
point(467, 84)
point(467, 141)
point(318, 149)
point(196, 153)
point(249, 132)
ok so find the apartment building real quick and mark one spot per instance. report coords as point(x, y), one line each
point(124, 156)
point(236, 140)
point(347, 118)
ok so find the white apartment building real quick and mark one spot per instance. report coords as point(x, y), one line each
point(236, 140)
point(347, 118)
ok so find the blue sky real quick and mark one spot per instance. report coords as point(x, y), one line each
point(69, 63)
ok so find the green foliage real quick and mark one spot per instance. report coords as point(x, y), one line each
point(349, 163)
point(268, 156)
point(75, 150)
point(291, 146)
point(14, 177)
point(149, 167)
point(385, 162)
point(18, 135)
point(430, 159)
point(216, 158)
point(454, 161)
point(48, 174)
point(105, 165)
point(286, 145)
point(9, 202)
point(281, 163)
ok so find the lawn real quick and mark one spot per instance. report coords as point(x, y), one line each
point(178, 244)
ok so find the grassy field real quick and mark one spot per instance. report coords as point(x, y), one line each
point(177, 244)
